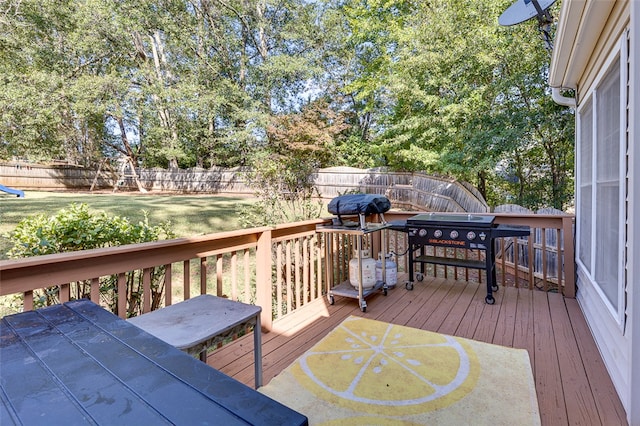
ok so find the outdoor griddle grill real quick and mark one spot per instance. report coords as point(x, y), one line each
point(466, 231)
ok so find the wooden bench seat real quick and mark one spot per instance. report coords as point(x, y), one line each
point(202, 322)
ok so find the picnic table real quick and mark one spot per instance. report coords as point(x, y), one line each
point(77, 363)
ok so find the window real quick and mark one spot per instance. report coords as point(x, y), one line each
point(600, 179)
point(585, 164)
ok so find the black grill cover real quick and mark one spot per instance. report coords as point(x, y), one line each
point(359, 204)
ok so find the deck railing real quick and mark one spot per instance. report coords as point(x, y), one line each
point(280, 268)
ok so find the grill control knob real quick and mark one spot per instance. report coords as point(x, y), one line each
point(422, 232)
point(454, 234)
point(437, 233)
point(471, 235)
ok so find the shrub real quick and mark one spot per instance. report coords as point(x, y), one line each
point(284, 190)
point(76, 228)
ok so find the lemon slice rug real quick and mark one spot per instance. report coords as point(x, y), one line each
point(367, 372)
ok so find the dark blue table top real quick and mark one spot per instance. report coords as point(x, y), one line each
point(79, 364)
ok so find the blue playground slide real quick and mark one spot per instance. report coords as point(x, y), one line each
point(8, 190)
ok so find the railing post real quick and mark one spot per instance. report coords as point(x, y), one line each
point(122, 295)
point(569, 257)
point(263, 279)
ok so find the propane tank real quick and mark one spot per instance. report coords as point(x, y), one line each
point(391, 270)
point(368, 270)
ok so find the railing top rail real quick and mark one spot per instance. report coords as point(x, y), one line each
point(132, 248)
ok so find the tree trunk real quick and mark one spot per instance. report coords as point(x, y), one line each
point(482, 183)
point(160, 65)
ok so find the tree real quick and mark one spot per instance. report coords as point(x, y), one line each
point(282, 172)
point(183, 83)
point(174, 83)
point(462, 103)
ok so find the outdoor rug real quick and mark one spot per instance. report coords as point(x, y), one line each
point(368, 372)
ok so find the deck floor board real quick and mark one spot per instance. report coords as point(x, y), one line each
point(572, 384)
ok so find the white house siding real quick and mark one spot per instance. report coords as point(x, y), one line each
point(633, 262)
point(607, 323)
point(589, 35)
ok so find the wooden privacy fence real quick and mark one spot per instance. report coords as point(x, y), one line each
point(411, 191)
point(279, 268)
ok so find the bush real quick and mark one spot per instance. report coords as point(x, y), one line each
point(76, 228)
point(284, 190)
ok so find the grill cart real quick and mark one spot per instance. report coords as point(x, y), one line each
point(346, 289)
point(358, 206)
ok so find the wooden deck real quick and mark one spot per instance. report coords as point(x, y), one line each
point(572, 384)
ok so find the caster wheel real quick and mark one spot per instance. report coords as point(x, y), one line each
point(363, 309)
point(384, 291)
point(490, 300)
point(408, 286)
point(494, 287)
point(332, 300)
point(419, 276)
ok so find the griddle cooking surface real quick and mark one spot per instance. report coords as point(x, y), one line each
point(443, 219)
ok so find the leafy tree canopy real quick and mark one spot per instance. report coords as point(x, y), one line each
point(435, 86)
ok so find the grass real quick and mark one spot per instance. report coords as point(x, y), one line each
point(189, 214)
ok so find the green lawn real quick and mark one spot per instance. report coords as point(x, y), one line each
point(189, 214)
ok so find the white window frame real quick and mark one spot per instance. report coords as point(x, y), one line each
point(582, 257)
point(617, 312)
